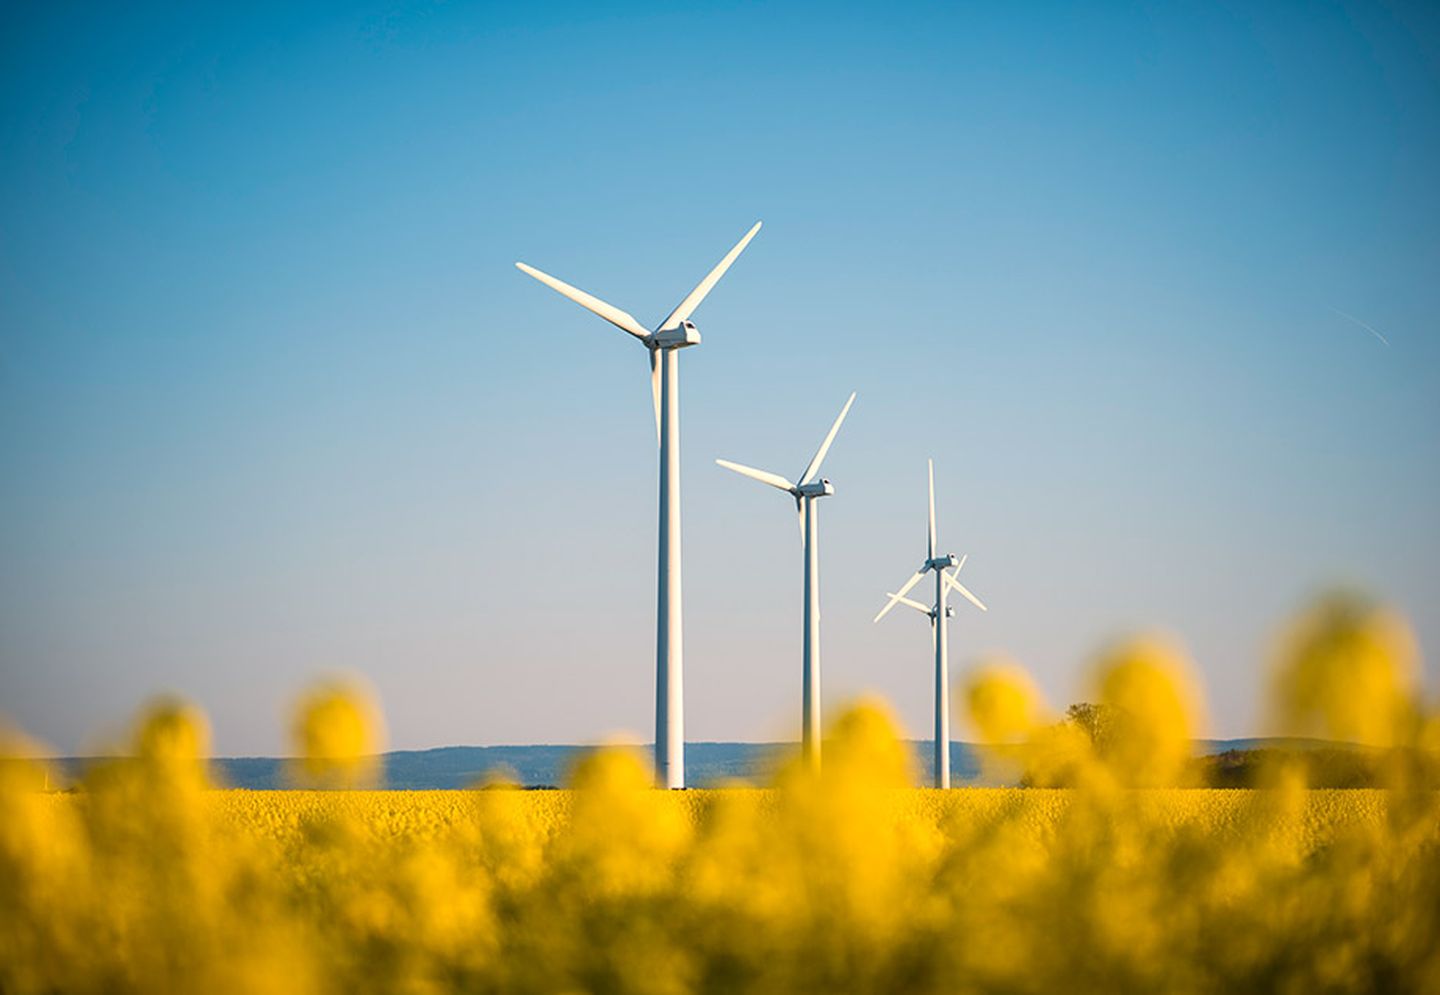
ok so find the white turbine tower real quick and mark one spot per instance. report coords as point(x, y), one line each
point(664, 345)
point(937, 614)
point(806, 493)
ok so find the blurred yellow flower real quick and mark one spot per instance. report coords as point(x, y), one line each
point(146, 880)
point(338, 735)
point(1148, 685)
point(172, 731)
point(1346, 670)
point(1002, 702)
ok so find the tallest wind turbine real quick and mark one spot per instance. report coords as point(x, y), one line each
point(664, 344)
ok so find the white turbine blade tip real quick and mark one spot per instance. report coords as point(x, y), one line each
point(910, 603)
point(687, 307)
point(622, 320)
point(894, 600)
point(764, 476)
point(930, 527)
point(904, 590)
point(964, 592)
point(813, 469)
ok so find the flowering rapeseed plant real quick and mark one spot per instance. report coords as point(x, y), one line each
point(148, 879)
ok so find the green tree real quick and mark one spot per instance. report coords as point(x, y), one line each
point(1098, 721)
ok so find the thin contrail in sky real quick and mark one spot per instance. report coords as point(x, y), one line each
point(1362, 325)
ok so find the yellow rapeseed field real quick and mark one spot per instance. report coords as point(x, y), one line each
point(1109, 876)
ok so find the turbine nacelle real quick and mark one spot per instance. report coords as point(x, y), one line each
point(678, 337)
point(942, 562)
point(815, 489)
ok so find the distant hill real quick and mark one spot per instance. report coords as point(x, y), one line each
point(706, 764)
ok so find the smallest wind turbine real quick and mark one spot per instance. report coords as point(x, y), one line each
point(938, 613)
point(810, 489)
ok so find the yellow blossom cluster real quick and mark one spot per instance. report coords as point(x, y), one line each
point(146, 878)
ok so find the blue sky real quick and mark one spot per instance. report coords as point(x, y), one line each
point(274, 401)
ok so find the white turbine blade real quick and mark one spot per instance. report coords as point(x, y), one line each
point(620, 319)
point(655, 389)
point(814, 467)
point(961, 565)
point(930, 536)
point(764, 476)
point(910, 602)
point(895, 598)
point(687, 307)
point(950, 579)
point(800, 511)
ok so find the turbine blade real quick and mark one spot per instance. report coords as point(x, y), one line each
point(800, 511)
point(814, 467)
point(910, 602)
point(930, 536)
point(655, 389)
point(764, 476)
point(961, 565)
point(964, 593)
point(895, 598)
point(620, 319)
point(686, 307)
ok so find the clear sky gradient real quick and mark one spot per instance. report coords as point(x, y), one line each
point(274, 401)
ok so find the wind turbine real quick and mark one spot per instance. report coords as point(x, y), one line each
point(810, 489)
point(937, 613)
point(664, 345)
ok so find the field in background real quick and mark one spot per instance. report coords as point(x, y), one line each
point(150, 880)
point(1313, 819)
point(1224, 763)
point(1105, 875)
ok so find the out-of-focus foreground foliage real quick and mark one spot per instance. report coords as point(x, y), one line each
point(146, 880)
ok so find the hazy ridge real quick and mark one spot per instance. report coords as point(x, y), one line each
point(706, 764)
